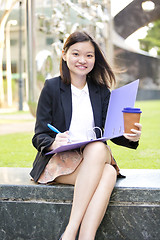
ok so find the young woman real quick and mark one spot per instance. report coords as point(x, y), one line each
point(75, 103)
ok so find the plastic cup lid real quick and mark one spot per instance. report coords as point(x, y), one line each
point(131, 110)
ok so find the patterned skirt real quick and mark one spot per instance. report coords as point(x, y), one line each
point(65, 163)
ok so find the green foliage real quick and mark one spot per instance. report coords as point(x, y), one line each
point(152, 40)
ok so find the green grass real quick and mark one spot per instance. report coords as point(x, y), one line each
point(17, 150)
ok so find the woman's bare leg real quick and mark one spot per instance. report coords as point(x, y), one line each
point(98, 204)
point(88, 177)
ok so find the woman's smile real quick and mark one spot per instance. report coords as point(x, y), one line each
point(81, 66)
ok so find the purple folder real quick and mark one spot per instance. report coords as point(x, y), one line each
point(120, 98)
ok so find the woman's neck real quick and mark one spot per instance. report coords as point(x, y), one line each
point(78, 82)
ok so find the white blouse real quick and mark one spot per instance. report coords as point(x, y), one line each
point(82, 121)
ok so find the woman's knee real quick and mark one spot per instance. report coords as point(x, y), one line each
point(97, 151)
point(110, 171)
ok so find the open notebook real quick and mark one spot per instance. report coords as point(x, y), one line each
point(114, 127)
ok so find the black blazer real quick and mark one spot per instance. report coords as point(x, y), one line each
point(55, 107)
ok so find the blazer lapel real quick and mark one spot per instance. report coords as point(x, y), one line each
point(66, 99)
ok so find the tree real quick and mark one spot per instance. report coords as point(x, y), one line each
point(152, 39)
point(7, 5)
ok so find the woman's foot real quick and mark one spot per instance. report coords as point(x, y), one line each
point(61, 237)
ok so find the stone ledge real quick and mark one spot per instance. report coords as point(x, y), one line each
point(138, 186)
point(33, 211)
point(64, 193)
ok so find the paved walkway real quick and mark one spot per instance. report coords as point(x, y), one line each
point(15, 123)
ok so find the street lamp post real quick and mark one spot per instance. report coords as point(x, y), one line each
point(8, 62)
point(31, 72)
point(20, 59)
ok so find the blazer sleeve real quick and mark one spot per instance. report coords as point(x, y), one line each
point(122, 141)
point(43, 137)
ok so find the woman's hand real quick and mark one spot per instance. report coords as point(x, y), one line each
point(61, 139)
point(136, 133)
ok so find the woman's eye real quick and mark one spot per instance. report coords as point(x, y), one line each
point(75, 54)
point(89, 55)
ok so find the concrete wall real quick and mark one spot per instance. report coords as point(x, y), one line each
point(32, 212)
point(138, 66)
point(133, 17)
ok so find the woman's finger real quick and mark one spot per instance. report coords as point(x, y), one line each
point(139, 126)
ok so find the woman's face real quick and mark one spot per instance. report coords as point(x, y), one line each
point(80, 59)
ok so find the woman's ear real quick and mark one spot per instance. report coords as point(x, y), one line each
point(63, 55)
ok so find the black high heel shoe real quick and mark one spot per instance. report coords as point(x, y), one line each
point(61, 237)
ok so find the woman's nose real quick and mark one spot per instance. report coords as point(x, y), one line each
point(82, 60)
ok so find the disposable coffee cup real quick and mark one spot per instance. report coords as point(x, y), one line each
point(131, 116)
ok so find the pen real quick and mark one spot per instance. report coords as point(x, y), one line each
point(56, 130)
point(53, 128)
